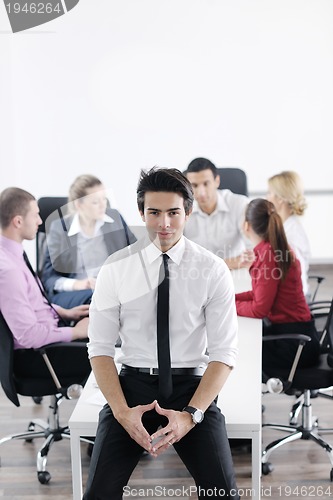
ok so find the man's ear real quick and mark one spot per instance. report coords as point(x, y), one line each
point(17, 220)
point(217, 181)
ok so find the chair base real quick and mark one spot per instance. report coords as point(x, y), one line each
point(51, 432)
point(308, 430)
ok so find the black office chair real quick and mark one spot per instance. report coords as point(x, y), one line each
point(56, 207)
point(322, 312)
point(295, 381)
point(14, 382)
point(234, 179)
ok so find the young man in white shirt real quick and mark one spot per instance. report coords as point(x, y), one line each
point(201, 319)
point(218, 215)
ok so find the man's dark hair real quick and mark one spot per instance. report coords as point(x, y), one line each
point(13, 201)
point(199, 164)
point(169, 180)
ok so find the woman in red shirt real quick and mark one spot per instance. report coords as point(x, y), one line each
point(277, 295)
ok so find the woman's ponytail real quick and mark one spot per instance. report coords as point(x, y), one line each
point(266, 223)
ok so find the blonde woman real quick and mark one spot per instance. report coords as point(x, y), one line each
point(285, 191)
point(79, 243)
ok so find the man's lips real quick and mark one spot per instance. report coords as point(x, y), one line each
point(164, 233)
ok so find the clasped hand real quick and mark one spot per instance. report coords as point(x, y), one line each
point(179, 424)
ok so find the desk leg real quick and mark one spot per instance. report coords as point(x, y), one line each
point(76, 464)
point(256, 464)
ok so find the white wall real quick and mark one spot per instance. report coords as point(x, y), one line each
point(115, 86)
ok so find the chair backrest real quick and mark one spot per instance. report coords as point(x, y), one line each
point(327, 335)
point(6, 362)
point(47, 205)
point(233, 178)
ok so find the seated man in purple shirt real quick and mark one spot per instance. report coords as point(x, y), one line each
point(33, 321)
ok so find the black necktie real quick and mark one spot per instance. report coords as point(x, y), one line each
point(40, 286)
point(163, 344)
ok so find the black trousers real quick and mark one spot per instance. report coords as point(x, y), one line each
point(204, 450)
point(72, 299)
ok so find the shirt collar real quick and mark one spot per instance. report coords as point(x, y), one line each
point(75, 226)
point(175, 253)
point(221, 205)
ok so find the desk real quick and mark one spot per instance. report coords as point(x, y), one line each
point(240, 400)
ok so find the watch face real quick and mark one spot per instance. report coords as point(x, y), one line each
point(198, 416)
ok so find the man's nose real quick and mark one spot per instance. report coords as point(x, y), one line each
point(165, 220)
point(200, 191)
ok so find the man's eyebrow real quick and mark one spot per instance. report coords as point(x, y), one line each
point(159, 210)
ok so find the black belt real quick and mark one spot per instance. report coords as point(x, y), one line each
point(154, 371)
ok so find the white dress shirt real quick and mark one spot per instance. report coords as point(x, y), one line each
point(221, 231)
point(202, 306)
point(300, 244)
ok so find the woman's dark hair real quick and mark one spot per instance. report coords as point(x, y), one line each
point(169, 180)
point(266, 223)
point(199, 164)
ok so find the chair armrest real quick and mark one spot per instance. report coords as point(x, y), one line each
point(57, 345)
point(288, 336)
point(318, 305)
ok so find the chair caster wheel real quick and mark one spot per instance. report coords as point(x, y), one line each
point(43, 477)
point(331, 476)
point(266, 468)
point(37, 399)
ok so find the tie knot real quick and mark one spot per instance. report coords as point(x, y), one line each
point(165, 258)
point(165, 264)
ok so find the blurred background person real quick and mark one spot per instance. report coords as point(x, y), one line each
point(285, 191)
point(32, 319)
point(218, 214)
point(277, 295)
point(79, 243)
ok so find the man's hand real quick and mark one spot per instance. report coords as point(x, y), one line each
point(131, 420)
point(180, 423)
point(245, 259)
point(75, 313)
point(80, 330)
point(78, 312)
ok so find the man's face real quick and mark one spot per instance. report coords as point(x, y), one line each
point(165, 218)
point(30, 222)
point(204, 188)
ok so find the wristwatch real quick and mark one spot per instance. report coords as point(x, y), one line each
point(196, 414)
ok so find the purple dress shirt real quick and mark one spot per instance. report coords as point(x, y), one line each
point(31, 320)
